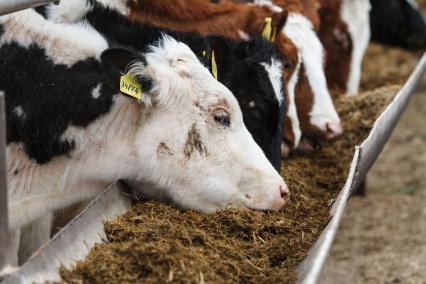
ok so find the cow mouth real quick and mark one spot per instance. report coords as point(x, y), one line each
point(308, 145)
point(258, 209)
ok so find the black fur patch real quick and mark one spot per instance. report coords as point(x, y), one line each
point(52, 97)
point(42, 10)
point(241, 71)
point(397, 23)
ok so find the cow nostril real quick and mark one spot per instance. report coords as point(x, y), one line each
point(247, 196)
point(334, 129)
point(284, 192)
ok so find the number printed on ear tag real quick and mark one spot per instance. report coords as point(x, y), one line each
point(130, 86)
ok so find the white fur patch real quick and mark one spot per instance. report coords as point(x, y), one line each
point(300, 30)
point(71, 11)
point(63, 43)
point(243, 35)
point(274, 73)
point(292, 109)
point(96, 92)
point(102, 154)
point(20, 112)
point(269, 4)
point(356, 15)
point(117, 5)
point(68, 11)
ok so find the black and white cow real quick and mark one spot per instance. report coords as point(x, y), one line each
point(250, 69)
point(398, 23)
point(71, 132)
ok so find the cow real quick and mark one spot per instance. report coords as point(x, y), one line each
point(232, 20)
point(317, 114)
point(398, 23)
point(250, 69)
point(345, 34)
point(71, 130)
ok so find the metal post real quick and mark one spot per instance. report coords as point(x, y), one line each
point(4, 222)
point(9, 6)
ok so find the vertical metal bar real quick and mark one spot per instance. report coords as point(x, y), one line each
point(9, 6)
point(4, 222)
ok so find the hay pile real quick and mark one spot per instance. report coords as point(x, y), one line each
point(384, 66)
point(157, 243)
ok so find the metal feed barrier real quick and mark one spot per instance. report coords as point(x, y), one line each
point(8, 6)
point(76, 239)
point(4, 223)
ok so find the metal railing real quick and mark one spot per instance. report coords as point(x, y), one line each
point(4, 222)
point(9, 6)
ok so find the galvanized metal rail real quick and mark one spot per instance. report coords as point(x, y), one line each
point(9, 6)
point(4, 222)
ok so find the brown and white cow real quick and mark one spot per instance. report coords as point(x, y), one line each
point(71, 132)
point(345, 34)
point(315, 109)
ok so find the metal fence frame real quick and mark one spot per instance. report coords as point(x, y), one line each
point(4, 221)
point(8, 6)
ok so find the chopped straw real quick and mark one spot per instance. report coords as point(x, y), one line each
point(158, 243)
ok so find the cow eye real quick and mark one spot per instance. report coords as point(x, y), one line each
point(287, 65)
point(222, 118)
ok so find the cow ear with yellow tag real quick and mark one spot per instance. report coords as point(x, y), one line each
point(118, 62)
point(218, 56)
point(273, 25)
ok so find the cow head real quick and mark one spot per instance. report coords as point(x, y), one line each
point(192, 141)
point(398, 23)
point(252, 71)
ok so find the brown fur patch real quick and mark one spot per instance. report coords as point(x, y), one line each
point(337, 42)
point(204, 17)
point(194, 143)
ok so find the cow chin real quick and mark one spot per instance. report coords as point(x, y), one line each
point(330, 127)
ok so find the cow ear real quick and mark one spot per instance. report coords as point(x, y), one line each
point(218, 54)
point(278, 22)
point(120, 60)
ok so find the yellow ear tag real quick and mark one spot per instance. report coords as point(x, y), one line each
point(214, 66)
point(267, 30)
point(274, 33)
point(130, 86)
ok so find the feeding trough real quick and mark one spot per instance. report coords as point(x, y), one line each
point(76, 239)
